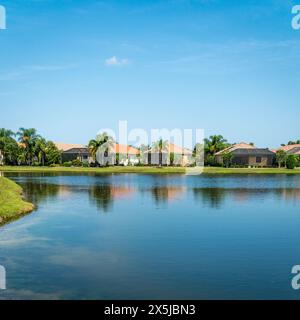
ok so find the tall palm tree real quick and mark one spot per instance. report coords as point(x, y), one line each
point(28, 139)
point(160, 146)
point(40, 150)
point(103, 142)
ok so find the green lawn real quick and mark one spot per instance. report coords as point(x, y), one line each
point(12, 204)
point(151, 170)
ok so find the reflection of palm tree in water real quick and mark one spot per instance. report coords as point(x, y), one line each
point(101, 196)
point(214, 197)
point(164, 194)
point(104, 195)
point(39, 192)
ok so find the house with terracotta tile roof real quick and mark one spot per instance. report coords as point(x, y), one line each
point(67, 146)
point(119, 154)
point(182, 156)
point(70, 152)
point(290, 149)
point(245, 154)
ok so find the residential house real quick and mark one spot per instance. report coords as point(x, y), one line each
point(182, 156)
point(70, 152)
point(290, 149)
point(245, 154)
point(119, 154)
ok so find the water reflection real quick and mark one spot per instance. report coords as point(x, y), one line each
point(216, 197)
point(39, 192)
point(213, 197)
point(67, 250)
point(103, 196)
point(166, 194)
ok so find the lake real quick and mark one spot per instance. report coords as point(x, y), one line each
point(154, 237)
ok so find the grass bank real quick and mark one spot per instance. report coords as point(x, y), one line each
point(149, 170)
point(12, 205)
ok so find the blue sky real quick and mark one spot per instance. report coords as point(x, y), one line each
point(70, 68)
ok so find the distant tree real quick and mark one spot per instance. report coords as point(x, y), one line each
point(212, 145)
point(143, 155)
point(40, 150)
point(291, 161)
point(159, 147)
point(28, 139)
point(298, 161)
point(172, 158)
point(8, 147)
point(52, 154)
point(215, 144)
point(281, 156)
point(103, 142)
point(292, 142)
point(227, 159)
point(4, 133)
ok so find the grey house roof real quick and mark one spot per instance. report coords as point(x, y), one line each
point(77, 151)
point(256, 152)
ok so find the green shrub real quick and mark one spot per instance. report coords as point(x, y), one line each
point(298, 161)
point(67, 164)
point(291, 161)
point(54, 165)
point(85, 165)
point(76, 163)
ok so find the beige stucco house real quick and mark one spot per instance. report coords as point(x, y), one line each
point(245, 154)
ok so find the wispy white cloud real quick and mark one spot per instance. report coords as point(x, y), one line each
point(25, 71)
point(49, 67)
point(116, 62)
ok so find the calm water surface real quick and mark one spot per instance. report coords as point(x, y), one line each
point(154, 237)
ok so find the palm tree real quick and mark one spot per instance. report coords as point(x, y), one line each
point(103, 142)
point(8, 146)
point(160, 146)
point(4, 133)
point(28, 139)
point(215, 144)
point(40, 149)
point(281, 157)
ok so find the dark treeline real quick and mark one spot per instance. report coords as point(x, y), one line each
point(26, 147)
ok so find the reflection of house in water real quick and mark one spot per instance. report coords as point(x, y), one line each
point(215, 197)
point(291, 194)
point(104, 195)
point(166, 193)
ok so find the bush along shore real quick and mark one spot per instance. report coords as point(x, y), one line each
point(12, 204)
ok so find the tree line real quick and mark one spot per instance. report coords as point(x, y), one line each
point(27, 147)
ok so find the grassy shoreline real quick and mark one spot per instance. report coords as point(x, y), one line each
point(148, 170)
point(12, 205)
